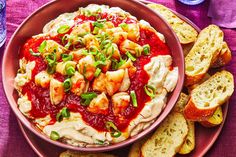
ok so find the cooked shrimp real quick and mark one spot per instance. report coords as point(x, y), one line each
point(114, 80)
point(99, 104)
point(56, 91)
point(131, 68)
point(99, 83)
point(86, 67)
point(120, 102)
point(78, 84)
point(42, 79)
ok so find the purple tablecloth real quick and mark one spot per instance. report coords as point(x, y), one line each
point(12, 142)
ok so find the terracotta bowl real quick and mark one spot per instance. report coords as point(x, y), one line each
point(33, 25)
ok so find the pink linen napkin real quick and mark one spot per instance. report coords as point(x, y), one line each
point(223, 13)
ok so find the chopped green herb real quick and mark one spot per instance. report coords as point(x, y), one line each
point(88, 97)
point(54, 135)
point(66, 57)
point(130, 56)
point(65, 112)
point(97, 72)
point(97, 63)
point(150, 90)
point(33, 53)
point(98, 24)
point(123, 26)
point(63, 29)
point(134, 99)
point(70, 70)
point(100, 142)
point(42, 46)
point(138, 53)
point(110, 126)
point(146, 49)
point(51, 59)
point(95, 30)
point(59, 117)
point(67, 84)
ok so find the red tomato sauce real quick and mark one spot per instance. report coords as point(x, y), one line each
point(40, 97)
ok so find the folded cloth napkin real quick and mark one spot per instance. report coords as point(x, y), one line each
point(223, 13)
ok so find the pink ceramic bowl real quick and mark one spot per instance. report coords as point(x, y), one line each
point(34, 24)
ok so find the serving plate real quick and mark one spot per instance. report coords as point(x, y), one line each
point(34, 24)
point(205, 137)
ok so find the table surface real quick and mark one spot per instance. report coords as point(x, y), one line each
point(12, 142)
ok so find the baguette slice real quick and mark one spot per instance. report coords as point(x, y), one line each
point(215, 119)
point(183, 30)
point(224, 58)
point(206, 97)
point(82, 154)
point(189, 143)
point(206, 77)
point(168, 138)
point(203, 53)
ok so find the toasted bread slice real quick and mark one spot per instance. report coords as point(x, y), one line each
point(206, 77)
point(135, 149)
point(206, 97)
point(215, 119)
point(189, 143)
point(168, 138)
point(224, 58)
point(203, 53)
point(183, 30)
point(82, 154)
point(182, 101)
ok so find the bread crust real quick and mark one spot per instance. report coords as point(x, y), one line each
point(191, 112)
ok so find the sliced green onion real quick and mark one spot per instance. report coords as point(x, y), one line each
point(105, 43)
point(67, 84)
point(59, 117)
point(64, 38)
point(130, 56)
point(89, 95)
point(134, 99)
point(99, 25)
point(42, 46)
point(97, 63)
point(123, 25)
point(150, 90)
point(93, 50)
point(100, 142)
point(70, 70)
point(51, 59)
point(67, 46)
point(146, 49)
point(116, 134)
point(63, 29)
point(100, 57)
point(33, 53)
point(114, 64)
point(110, 126)
point(85, 52)
point(97, 72)
point(66, 57)
point(95, 30)
point(54, 135)
point(138, 53)
point(65, 112)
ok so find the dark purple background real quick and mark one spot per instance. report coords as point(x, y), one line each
point(12, 142)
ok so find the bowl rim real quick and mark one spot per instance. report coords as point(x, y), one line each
point(128, 141)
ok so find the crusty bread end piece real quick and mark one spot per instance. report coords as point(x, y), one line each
point(183, 30)
point(168, 138)
point(203, 53)
point(215, 119)
point(69, 153)
point(224, 58)
point(189, 143)
point(206, 97)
